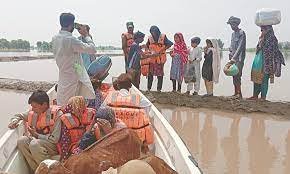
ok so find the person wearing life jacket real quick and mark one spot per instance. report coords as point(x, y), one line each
point(157, 43)
point(39, 142)
point(137, 59)
point(127, 40)
point(76, 119)
point(131, 108)
point(103, 124)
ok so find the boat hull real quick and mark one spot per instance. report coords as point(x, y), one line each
point(168, 146)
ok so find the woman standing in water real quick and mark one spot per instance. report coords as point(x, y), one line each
point(157, 43)
point(267, 62)
point(211, 65)
point(179, 59)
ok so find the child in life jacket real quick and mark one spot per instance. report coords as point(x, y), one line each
point(103, 123)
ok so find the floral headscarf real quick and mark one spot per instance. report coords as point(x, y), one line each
point(181, 48)
point(273, 58)
point(76, 105)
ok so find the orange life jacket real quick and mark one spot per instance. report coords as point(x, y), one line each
point(44, 122)
point(117, 100)
point(127, 109)
point(105, 89)
point(130, 39)
point(157, 47)
point(145, 65)
point(88, 116)
point(77, 126)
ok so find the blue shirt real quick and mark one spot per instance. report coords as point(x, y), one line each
point(238, 46)
point(134, 57)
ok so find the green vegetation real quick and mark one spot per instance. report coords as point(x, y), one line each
point(43, 46)
point(284, 45)
point(251, 49)
point(14, 45)
point(221, 43)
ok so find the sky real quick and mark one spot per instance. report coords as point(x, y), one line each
point(36, 20)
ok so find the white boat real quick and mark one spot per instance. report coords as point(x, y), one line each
point(168, 146)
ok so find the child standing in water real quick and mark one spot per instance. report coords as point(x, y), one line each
point(211, 65)
point(179, 59)
point(193, 66)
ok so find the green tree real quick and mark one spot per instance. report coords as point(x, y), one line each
point(50, 46)
point(39, 44)
point(220, 43)
point(4, 44)
point(287, 46)
point(13, 44)
point(45, 46)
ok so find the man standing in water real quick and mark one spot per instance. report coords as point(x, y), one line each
point(237, 52)
point(127, 40)
point(73, 77)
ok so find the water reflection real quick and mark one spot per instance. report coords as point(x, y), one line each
point(261, 153)
point(231, 143)
point(287, 156)
point(208, 137)
point(230, 146)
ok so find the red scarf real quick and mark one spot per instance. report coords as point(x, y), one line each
point(181, 48)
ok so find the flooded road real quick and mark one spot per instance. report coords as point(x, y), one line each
point(233, 143)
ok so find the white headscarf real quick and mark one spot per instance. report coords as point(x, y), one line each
point(216, 60)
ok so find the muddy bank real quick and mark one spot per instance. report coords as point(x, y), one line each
point(27, 58)
point(15, 84)
point(23, 58)
point(220, 103)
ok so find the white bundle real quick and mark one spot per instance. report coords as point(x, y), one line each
point(268, 17)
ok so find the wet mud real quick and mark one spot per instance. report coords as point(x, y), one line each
point(169, 98)
point(221, 103)
point(21, 85)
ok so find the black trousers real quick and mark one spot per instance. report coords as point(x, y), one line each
point(174, 86)
point(159, 83)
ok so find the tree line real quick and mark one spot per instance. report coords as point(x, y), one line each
point(43, 46)
point(18, 44)
point(284, 45)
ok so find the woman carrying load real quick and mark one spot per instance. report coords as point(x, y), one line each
point(267, 62)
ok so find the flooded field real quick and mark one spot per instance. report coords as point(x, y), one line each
point(46, 70)
point(222, 142)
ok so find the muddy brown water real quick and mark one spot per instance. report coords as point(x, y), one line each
point(222, 142)
point(230, 143)
point(46, 70)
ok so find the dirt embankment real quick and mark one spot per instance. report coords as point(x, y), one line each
point(220, 103)
point(15, 84)
point(23, 58)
